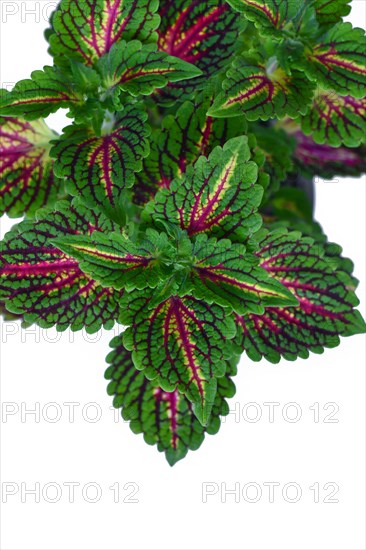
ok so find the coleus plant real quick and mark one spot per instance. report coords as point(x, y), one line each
point(167, 204)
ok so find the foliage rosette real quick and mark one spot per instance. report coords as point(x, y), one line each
point(171, 204)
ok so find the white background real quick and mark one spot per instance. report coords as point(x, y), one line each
point(170, 512)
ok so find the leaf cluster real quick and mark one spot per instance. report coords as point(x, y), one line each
point(167, 204)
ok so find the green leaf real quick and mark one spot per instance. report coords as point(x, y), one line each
point(277, 147)
point(86, 79)
point(217, 196)
point(257, 155)
point(268, 15)
point(100, 168)
point(181, 140)
point(27, 181)
point(139, 69)
point(291, 203)
point(262, 91)
point(336, 119)
point(87, 30)
point(44, 93)
point(182, 343)
point(326, 301)
point(204, 33)
point(115, 261)
point(46, 285)
point(226, 274)
point(165, 418)
point(331, 12)
point(338, 61)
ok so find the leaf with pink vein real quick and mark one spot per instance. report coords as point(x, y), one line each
point(45, 285)
point(326, 298)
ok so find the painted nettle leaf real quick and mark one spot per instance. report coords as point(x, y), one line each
point(329, 13)
point(326, 301)
point(204, 33)
point(139, 68)
point(338, 60)
point(262, 91)
point(101, 168)
point(322, 159)
point(327, 161)
point(115, 261)
point(268, 15)
point(164, 418)
point(175, 203)
point(44, 93)
point(336, 119)
point(47, 286)
point(182, 343)
point(27, 179)
point(180, 141)
point(217, 195)
point(283, 16)
point(87, 30)
point(226, 274)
